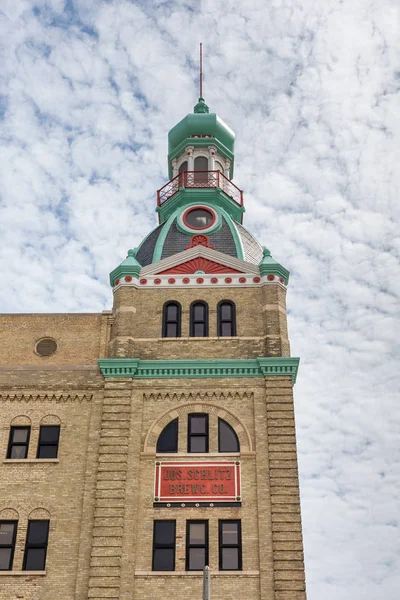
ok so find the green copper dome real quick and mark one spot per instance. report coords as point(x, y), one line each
point(201, 123)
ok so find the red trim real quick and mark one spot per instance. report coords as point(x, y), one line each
point(199, 207)
point(199, 264)
point(193, 179)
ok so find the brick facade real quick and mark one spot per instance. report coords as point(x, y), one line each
point(98, 493)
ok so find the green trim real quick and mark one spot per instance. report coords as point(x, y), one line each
point(200, 369)
point(236, 237)
point(269, 265)
point(129, 266)
point(215, 197)
point(161, 239)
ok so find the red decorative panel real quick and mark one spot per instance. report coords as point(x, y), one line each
point(199, 264)
point(200, 240)
point(197, 481)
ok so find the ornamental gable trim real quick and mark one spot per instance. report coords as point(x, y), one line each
point(199, 264)
point(239, 266)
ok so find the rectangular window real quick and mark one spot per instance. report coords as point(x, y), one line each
point(196, 545)
point(36, 546)
point(8, 534)
point(198, 433)
point(164, 546)
point(48, 441)
point(230, 546)
point(19, 442)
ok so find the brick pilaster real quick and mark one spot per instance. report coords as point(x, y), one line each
point(288, 560)
point(108, 526)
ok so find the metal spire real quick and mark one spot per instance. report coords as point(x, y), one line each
point(201, 106)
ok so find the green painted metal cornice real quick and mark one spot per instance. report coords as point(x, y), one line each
point(214, 196)
point(129, 266)
point(269, 265)
point(200, 369)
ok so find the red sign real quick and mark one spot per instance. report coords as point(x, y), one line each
point(197, 481)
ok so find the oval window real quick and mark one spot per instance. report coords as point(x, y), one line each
point(199, 218)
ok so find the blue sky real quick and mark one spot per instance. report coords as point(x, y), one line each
point(88, 91)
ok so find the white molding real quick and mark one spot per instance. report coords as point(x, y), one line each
point(203, 252)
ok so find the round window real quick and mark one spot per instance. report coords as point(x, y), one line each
point(46, 347)
point(199, 218)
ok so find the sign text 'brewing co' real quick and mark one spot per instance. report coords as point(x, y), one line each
point(197, 481)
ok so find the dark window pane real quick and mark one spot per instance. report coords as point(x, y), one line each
point(201, 163)
point(47, 452)
point(230, 559)
point(199, 312)
point(38, 532)
point(5, 559)
point(183, 167)
point(163, 559)
point(35, 559)
point(199, 330)
point(197, 533)
point(19, 452)
point(49, 433)
point(226, 329)
point(168, 438)
point(230, 534)
point(7, 533)
point(226, 312)
point(198, 424)
point(164, 532)
point(20, 435)
point(228, 440)
point(198, 444)
point(172, 312)
point(172, 330)
point(197, 558)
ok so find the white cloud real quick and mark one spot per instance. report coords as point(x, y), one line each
point(88, 93)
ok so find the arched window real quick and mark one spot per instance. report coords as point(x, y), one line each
point(201, 168)
point(219, 167)
point(183, 174)
point(199, 319)
point(168, 438)
point(228, 441)
point(226, 318)
point(172, 320)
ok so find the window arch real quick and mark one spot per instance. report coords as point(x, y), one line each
point(168, 438)
point(171, 320)
point(228, 440)
point(226, 318)
point(183, 173)
point(199, 319)
point(219, 167)
point(200, 176)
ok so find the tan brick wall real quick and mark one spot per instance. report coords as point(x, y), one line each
point(100, 494)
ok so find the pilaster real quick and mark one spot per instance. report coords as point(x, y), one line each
point(108, 524)
point(288, 559)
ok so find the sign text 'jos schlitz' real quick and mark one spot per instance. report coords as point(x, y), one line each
point(217, 481)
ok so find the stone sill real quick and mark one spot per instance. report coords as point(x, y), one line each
point(196, 574)
point(36, 461)
point(22, 573)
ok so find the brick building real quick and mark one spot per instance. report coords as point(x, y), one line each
point(144, 442)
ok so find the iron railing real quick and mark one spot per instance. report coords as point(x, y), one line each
point(200, 179)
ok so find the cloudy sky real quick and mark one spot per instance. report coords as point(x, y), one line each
point(89, 89)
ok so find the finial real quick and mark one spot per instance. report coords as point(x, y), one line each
point(201, 106)
point(201, 69)
point(266, 252)
point(132, 252)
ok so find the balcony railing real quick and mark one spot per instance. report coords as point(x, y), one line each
point(200, 179)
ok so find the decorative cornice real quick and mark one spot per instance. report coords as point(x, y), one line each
point(199, 369)
point(196, 397)
point(51, 397)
